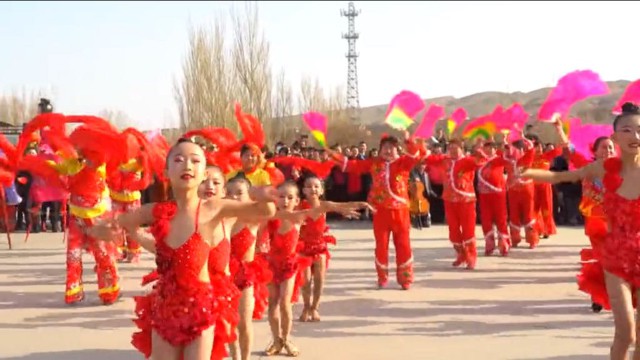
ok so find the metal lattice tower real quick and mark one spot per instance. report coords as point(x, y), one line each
point(353, 98)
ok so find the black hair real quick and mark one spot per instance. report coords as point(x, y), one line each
point(306, 176)
point(240, 178)
point(181, 140)
point(289, 183)
point(518, 144)
point(597, 143)
point(244, 149)
point(284, 150)
point(534, 139)
point(45, 106)
point(392, 140)
point(628, 109)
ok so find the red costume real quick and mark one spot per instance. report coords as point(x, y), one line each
point(520, 196)
point(125, 184)
point(248, 273)
point(619, 250)
point(283, 257)
point(85, 171)
point(493, 204)
point(459, 204)
point(543, 194)
point(314, 235)
point(389, 195)
point(181, 306)
point(228, 297)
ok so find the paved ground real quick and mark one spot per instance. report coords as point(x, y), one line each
point(525, 306)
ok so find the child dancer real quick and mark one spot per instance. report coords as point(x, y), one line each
point(314, 238)
point(177, 317)
point(285, 262)
point(620, 250)
point(251, 274)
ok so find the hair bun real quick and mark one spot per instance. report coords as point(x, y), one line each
point(630, 108)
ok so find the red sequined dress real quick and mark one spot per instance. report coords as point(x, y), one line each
point(180, 306)
point(314, 235)
point(254, 273)
point(227, 297)
point(591, 276)
point(620, 251)
point(284, 260)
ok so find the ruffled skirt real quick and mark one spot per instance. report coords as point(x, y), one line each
point(182, 320)
point(255, 273)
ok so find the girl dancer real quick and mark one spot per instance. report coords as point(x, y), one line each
point(620, 250)
point(285, 263)
point(177, 317)
point(251, 274)
point(314, 238)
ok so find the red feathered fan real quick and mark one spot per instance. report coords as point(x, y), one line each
point(225, 140)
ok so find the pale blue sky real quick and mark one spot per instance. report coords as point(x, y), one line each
point(124, 55)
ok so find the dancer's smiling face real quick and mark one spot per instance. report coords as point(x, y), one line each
point(186, 166)
point(627, 134)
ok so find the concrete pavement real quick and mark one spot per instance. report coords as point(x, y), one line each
point(526, 306)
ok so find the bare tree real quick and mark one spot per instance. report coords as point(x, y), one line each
point(203, 93)
point(282, 107)
point(18, 107)
point(116, 117)
point(250, 58)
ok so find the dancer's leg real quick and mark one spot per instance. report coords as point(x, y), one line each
point(622, 307)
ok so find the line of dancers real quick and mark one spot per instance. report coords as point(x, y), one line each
point(236, 240)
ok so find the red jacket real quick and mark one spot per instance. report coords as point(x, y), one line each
point(491, 175)
point(459, 176)
point(390, 185)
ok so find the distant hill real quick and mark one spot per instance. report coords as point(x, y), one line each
point(594, 110)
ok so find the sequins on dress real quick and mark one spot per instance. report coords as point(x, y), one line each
point(180, 306)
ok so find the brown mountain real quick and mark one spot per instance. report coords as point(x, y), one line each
point(593, 110)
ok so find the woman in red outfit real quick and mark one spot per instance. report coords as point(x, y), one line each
point(591, 276)
point(493, 200)
point(459, 200)
point(177, 318)
point(620, 250)
point(543, 193)
point(286, 264)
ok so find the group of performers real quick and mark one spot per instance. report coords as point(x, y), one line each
point(236, 239)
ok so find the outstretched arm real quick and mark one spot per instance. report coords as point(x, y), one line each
point(131, 222)
point(593, 170)
point(262, 208)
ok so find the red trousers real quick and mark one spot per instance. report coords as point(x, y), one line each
point(103, 252)
point(543, 208)
point(521, 215)
point(461, 218)
point(128, 247)
point(493, 212)
point(398, 223)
